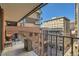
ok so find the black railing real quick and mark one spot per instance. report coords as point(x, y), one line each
point(59, 45)
point(64, 38)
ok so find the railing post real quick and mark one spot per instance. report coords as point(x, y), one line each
point(63, 45)
point(47, 41)
point(56, 45)
point(43, 42)
point(51, 46)
point(71, 46)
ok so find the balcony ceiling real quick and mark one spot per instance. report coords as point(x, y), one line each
point(14, 12)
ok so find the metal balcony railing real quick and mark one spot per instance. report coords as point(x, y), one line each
point(55, 45)
point(58, 45)
point(68, 46)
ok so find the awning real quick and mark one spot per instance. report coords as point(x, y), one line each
point(16, 11)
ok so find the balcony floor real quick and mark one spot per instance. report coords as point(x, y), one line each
point(17, 50)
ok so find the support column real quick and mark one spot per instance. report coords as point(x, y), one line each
point(2, 30)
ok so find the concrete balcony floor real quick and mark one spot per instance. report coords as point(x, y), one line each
point(17, 50)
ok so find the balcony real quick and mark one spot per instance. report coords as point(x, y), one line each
point(17, 50)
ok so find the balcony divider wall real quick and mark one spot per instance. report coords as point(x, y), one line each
point(1, 29)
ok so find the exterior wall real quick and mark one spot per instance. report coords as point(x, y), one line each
point(27, 25)
point(48, 50)
point(32, 32)
point(77, 19)
point(11, 29)
point(62, 23)
point(31, 20)
point(36, 15)
point(66, 33)
point(54, 24)
point(72, 26)
point(28, 30)
point(67, 27)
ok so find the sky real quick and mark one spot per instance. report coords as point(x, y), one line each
point(58, 9)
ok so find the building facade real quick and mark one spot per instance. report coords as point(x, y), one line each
point(50, 49)
point(77, 19)
point(59, 22)
point(72, 26)
point(32, 33)
point(72, 29)
point(58, 26)
point(31, 20)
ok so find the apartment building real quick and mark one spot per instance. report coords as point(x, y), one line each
point(58, 22)
point(32, 33)
point(21, 21)
point(77, 19)
point(72, 29)
point(10, 32)
point(31, 20)
point(72, 26)
point(50, 49)
point(58, 26)
point(28, 30)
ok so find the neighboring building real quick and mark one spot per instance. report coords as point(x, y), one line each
point(28, 22)
point(59, 26)
point(72, 28)
point(32, 33)
point(77, 22)
point(31, 37)
point(51, 42)
point(11, 23)
point(11, 29)
point(58, 22)
point(32, 20)
point(77, 19)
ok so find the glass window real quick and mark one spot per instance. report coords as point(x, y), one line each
point(11, 23)
point(61, 48)
point(30, 34)
point(36, 34)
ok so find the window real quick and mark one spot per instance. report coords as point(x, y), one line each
point(16, 35)
point(7, 38)
point(76, 47)
point(11, 23)
point(36, 42)
point(52, 45)
point(68, 45)
point(36, 34)
point(21, 24)
point(30, 34)
point(45, 48)
point(45, 35)
point(40, 44)
point(61, 48)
